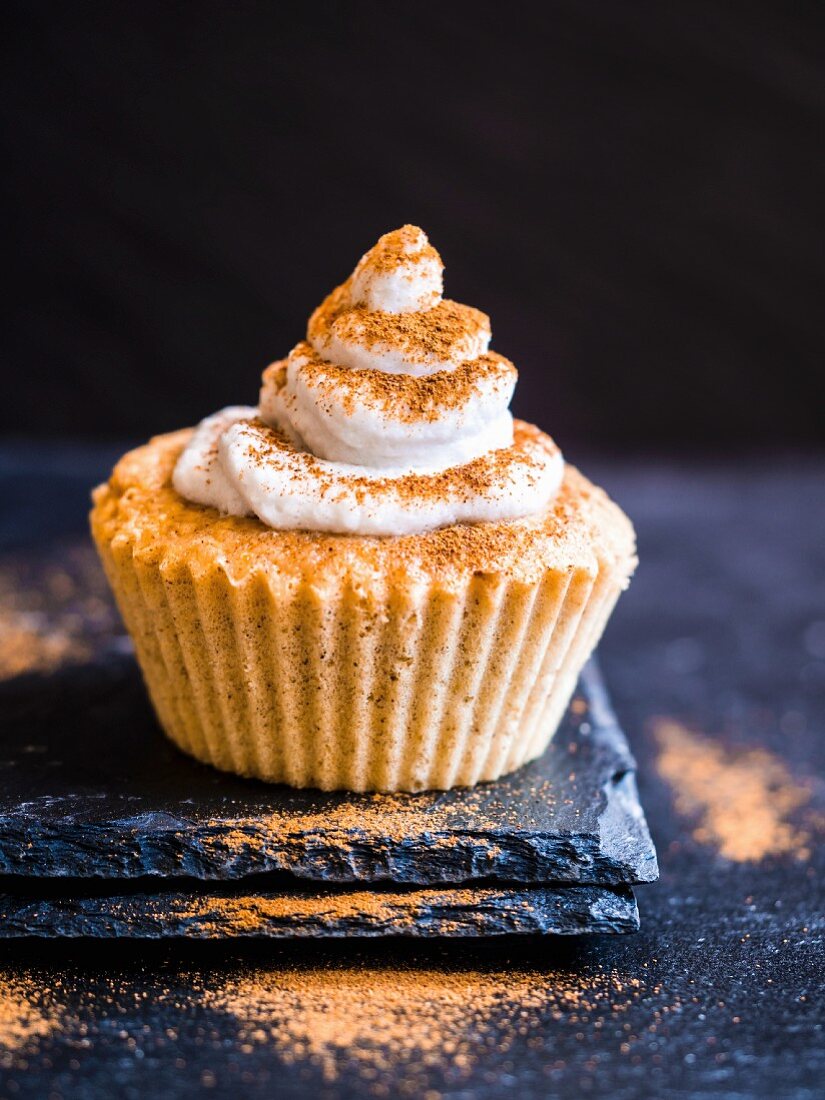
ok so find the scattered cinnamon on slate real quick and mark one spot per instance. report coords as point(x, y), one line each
point(745, 804)
point(330, 1016)
point(27, 1013)
point(54, 613)
point(380, 1018)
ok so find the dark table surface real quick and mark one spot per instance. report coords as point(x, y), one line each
point(716, 664)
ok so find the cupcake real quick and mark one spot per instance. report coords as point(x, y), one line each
point(376, 578)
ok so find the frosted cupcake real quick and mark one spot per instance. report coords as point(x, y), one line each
point(376, 579)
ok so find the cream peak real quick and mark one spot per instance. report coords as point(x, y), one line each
point(402, 273)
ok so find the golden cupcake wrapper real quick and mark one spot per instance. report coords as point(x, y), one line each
point(419, 688)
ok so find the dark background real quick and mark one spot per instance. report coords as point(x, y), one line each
point(634, 193)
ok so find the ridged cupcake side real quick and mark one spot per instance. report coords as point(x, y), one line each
point(402, 686)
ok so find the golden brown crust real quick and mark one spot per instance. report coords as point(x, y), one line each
point(582, 530)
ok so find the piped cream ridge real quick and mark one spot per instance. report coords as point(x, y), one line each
point(392, 418)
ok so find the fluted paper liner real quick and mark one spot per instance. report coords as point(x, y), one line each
point(417, 687)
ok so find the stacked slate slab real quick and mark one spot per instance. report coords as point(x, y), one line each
point(106, 830)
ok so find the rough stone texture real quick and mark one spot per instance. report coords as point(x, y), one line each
point(89, 786)
point(191, 910)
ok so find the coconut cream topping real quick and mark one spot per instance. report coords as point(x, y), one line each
point(391, 418)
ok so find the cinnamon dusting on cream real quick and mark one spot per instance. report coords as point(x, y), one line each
point(392, 417)
point(409, 398)
point(440, 333)
point(466, 481)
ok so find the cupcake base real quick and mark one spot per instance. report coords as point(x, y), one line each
point(338, 662)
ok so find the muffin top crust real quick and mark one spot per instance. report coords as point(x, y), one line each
point(138, 510)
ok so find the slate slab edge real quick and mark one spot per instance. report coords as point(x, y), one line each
point(56, 838)
point(482, 911)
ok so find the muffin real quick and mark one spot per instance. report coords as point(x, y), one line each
point(375, 579)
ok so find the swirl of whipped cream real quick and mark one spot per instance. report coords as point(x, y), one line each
point(391, 418)
point(380, 420)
